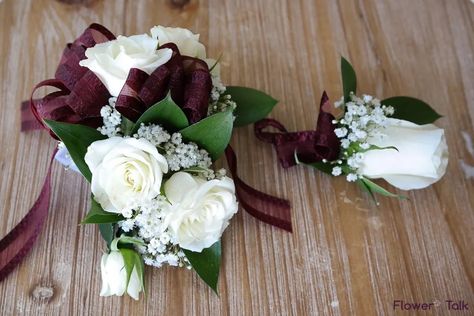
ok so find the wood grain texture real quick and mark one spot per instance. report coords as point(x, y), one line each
point(346, 255)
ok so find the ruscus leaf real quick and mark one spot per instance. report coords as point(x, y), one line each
point(252, 105)
point(412, 109)
point(166, 113)
point(107, 233)
point(212, 133)
point(349, 79)
point(206, 264)
point(375, 188)
point(97, 215)
point(77, 138)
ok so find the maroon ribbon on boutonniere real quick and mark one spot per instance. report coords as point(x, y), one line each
point(79, 99)
point(310, 146)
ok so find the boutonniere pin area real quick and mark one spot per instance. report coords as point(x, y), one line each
point(363, 138)
point(143, 118)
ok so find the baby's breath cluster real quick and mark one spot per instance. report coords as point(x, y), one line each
point(185, 155)
point(155, 134)
point(219, 101)
point(146, 222)
point(111, 118)
point(363, 118)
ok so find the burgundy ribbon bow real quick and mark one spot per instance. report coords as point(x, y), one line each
point(80, 97)
point(309, 146)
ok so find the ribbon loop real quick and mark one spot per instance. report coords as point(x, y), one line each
point(310, 146)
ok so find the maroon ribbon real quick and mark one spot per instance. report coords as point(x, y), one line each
point(18, 242)
point(81, 94)
point(267, 208)
point(188, 79)
point(310, 146)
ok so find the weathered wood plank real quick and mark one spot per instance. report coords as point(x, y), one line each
point(346, 256)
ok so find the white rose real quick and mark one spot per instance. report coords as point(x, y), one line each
point(111, 61)
point(114, 277)
point(124, 171)
point(187, 42)
point(200, 210)
point(421, 158)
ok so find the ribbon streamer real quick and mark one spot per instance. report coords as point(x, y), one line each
point(19, 241)
point(267, 208)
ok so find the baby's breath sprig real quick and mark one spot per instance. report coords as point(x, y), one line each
point(363, 118)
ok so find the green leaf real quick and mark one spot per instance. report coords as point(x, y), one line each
point(375, 188)
point(97, 215)
point(76, 138)
point(411, 109)
point(321, 166)
point(375, 147)
point(367, 189)
point(132, 259)
point(127, 240)
point(166, 113)
point(212, 133)
point(252, 105)
point(349, 79)
point(140, 266)
point(127, 126)
point(206, 264)
point(107, 233)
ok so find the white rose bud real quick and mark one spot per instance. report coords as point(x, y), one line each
point(187, 42)
point(124, 171)
point(200, 210)
point(111, 61)
point(421, 158)
point(114, 277)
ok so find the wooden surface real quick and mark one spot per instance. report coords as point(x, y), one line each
point(346, 256)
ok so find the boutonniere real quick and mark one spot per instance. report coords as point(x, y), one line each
point(363, 138)
point(143, 118)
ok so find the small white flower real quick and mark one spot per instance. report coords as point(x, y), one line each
point(127, 225)
point(341, 132)
point(365, 145)
point(336, 171)
point(345, 143)
point(352, 137)
point(351, 177)
point(360, 134)
point(367, 98)
point(389, 110)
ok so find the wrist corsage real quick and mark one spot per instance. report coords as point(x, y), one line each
point(143, 118)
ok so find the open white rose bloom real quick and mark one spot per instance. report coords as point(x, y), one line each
point(200, 210)
point(420, 158)
point(111, 61)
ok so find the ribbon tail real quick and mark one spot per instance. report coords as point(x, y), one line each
point(267, 208)
point(18, 242)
